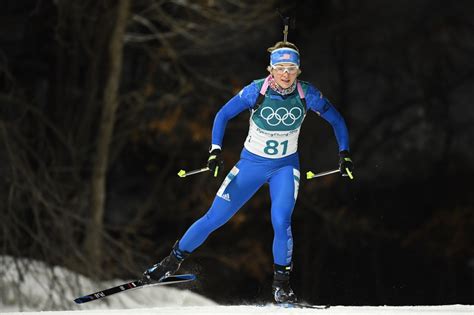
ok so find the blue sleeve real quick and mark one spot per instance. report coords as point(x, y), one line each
point(244, 100)
point(321, 105)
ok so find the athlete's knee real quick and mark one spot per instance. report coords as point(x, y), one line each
point(211, 221)
point(216, 217)
point(281, 223)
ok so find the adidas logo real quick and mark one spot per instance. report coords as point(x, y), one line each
point(225, 197)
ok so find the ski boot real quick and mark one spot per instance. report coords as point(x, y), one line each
point(167, 267)
point(282, 292)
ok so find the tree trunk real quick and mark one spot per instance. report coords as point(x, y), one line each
point(93, 241)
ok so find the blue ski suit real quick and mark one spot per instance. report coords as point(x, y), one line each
point(269, 156)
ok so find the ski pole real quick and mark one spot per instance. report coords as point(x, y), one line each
point(183, 173)
point(311, 175)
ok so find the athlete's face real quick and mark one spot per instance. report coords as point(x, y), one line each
point(285, 74)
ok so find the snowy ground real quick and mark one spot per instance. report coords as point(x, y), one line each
point(45, 290)
point(251, 310)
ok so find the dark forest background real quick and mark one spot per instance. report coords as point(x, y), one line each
point(104, 101)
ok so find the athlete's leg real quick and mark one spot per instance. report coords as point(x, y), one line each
point(240, 184)
point(283, 192)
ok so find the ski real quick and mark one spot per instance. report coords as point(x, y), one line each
point(303, 305)
point(136, 284)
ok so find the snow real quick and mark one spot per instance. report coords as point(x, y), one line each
point(267, 310)
point(46, 290)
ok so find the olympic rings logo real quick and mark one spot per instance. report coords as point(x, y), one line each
point(281, 115)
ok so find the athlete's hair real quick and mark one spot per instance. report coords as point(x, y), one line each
point(283, 45)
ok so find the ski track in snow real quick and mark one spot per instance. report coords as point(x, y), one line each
point(264, 310)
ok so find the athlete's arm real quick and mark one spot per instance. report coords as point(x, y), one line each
point(244, 100)
point(321, 105)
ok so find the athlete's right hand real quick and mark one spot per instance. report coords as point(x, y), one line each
point(346, 166)
point(215, 162)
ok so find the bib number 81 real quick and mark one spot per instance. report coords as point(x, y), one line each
point(272, 147)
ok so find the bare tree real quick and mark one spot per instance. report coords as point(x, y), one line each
point(93, 241)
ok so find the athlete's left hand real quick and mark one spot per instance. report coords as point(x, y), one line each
point(346, 166)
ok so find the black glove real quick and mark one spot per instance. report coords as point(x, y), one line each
point(346, 167)
point(215, 162)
